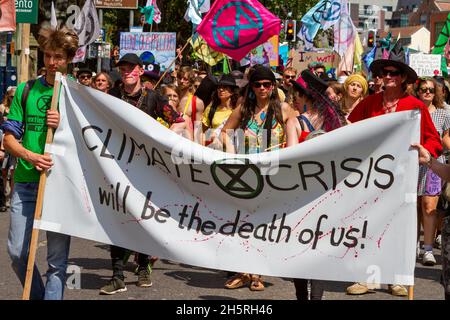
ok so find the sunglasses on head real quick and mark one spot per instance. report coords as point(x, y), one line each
point(426, 89)
point(266, 85)
point(392, 73)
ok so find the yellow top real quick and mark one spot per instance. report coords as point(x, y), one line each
point(220, 116)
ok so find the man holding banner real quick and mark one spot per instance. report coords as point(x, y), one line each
point(29, 120)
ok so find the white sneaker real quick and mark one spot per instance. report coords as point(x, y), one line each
point(428, 259)
point(438, 241)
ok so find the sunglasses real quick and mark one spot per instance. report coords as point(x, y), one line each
point(392, 73)
point(426, 89)
point(289, 77)
point(85, 77)
point(257, 85)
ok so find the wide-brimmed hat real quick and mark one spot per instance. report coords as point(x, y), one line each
point(396, 59)
point(227, 80)
point(308, 83)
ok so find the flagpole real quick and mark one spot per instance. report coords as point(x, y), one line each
point(168, 68)
point(40, 200)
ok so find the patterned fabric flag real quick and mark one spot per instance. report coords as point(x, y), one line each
point(193, 13)
point(204, 5)
point(344, 31)
point(359, 50)
point(86, 25)
point(53, 20)
point(346, 63)
point(369, 57)
point(323, 15)
point(7, 15)
point(156, 12)
point(148, 12)
point(204, 52)
point(234, 27)
point(440, 45)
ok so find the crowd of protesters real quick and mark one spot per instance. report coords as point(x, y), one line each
point(273, 110)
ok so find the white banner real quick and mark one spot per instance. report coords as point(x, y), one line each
point(339, 207)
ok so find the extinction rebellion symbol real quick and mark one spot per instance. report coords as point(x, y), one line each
point(247, 21)
point(238, 177)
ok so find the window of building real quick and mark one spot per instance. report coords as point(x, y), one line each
point(387, 8)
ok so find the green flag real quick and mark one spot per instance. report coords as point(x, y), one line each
point(226, 67)
point(439, 46)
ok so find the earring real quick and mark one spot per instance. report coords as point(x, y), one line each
point(304, 107)
point(251, 95)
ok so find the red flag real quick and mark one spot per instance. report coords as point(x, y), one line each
point(7, 15)
point(235, 27)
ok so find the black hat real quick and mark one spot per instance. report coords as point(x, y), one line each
point(309, 83)
point(84, 70)
point(262, 73)
point(227, 80)
point(130, 58)
point(397, 60)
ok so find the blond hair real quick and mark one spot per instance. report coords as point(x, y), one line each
point(60, 38)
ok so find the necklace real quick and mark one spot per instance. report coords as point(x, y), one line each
point(390, 107)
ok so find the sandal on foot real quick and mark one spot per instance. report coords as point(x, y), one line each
point(256, 284)
point(238, 281)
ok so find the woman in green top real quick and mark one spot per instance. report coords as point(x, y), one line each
point(224, 100)
point(261, 111)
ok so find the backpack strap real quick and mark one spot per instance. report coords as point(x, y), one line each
point(307, 122)
point(26, 91)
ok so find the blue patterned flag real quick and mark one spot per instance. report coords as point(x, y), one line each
point(323, 15)
point(369, 57)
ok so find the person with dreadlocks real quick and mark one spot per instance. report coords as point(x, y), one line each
point(262, 118)
point(317, 112)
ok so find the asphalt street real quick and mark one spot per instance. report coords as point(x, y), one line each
point(90, 267)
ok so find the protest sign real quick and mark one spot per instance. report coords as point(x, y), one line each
point(301, 59)
point(152, 47)
point(335, 207)
point(426, 65)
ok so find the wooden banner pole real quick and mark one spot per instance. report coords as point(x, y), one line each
point(410, 292)
point(167, 70)
point(39, 200)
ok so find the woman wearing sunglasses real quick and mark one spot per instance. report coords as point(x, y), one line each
point(429, 187)
point(394, 98)
point(261, 112)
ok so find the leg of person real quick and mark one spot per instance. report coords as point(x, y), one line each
point(446, 257)
point(238, 281)
point(58, 246)
point(116, 284)
point(23, 203)
point(3, 207)
point(144, 279)
point(317, 288)
point(419, 225)
point(429, 204)
point(256, 284)
point(301, 289)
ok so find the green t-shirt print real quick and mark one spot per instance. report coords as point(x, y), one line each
point(34, 137)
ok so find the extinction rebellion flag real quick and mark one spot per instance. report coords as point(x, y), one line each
point(235, 27)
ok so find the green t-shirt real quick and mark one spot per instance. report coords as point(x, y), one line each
point(34, 137)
